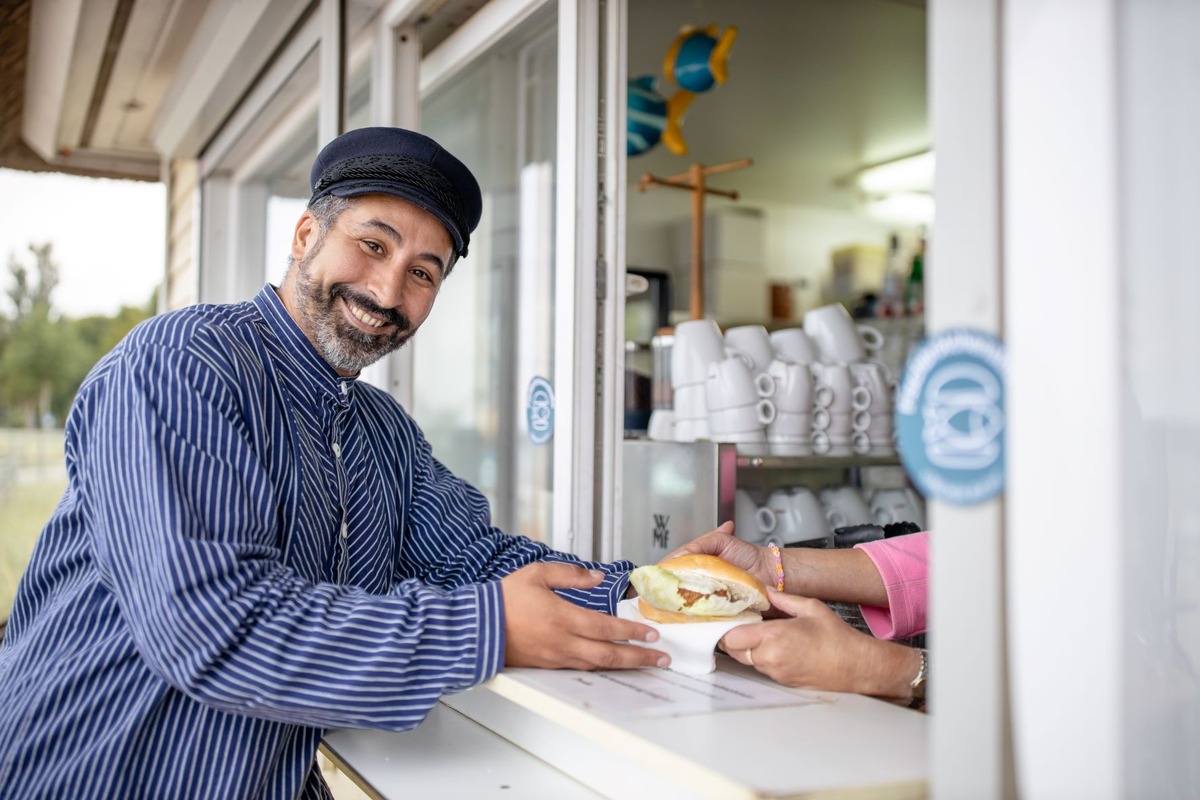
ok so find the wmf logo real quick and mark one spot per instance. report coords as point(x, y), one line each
point(661, 532)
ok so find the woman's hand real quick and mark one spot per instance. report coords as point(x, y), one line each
point(816, 649)
point(721, 543)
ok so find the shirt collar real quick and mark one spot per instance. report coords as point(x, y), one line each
point(324, 380)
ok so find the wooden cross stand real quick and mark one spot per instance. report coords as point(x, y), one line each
point(694, 181)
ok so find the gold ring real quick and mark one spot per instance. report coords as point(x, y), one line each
point(750, 657)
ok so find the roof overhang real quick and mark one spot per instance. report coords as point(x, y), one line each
point(119, 87)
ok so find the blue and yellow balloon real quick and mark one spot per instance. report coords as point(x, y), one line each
point(696, 61)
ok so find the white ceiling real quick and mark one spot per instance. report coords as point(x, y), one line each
point(816, 89)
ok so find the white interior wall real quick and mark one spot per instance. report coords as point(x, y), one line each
point(815, 90)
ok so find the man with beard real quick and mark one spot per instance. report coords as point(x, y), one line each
point(254, 546)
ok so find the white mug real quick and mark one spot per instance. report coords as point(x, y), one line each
point(793, 386)
point(791, 448)
point(731, 383)
point(809, 513)
point(826, 444)
point(741, 419)
point(787, 525)
point(878, 381)
point(757, 436)
point(754, 341)
point(838, 338)
point(698, 343)
point(845, 506)
point(789, 427)
point(836, 389)
point(691, 430)
point(689, 402)
point(794, 344)
point(661, 427)
point(750, 521)
point(896, 505)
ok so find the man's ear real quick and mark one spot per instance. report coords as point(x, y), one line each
point(305, 235)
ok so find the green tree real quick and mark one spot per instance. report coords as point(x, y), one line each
point(91, 338)
point(44, 356)
point(35, 348)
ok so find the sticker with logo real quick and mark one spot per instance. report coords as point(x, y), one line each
point(950, 417)
point(539, 410)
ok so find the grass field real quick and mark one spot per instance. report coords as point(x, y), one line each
point(31, 481)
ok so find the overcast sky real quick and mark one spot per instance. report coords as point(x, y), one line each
point(109, 236)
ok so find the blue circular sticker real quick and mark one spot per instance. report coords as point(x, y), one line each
point(539, 410)
point(950, 417)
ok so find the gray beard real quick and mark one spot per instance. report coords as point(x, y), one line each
point(345, 347)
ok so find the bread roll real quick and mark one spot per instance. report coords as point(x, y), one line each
point(698, 588)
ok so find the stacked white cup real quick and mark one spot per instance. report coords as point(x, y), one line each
point(897, 505)
point(790, 433)
point(794, 344)
point(837, 337)
point(737, 399)
point(852, 396)
point(698, 343)
point(751, 522)
point(755, 342)
point(837, 398)
point(845, 506)
point(799, 515)
point(873, 428)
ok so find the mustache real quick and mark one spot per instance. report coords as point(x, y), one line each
point(387, 314)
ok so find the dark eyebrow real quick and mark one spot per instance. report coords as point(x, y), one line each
point(395, 236)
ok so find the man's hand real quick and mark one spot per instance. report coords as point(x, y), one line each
point(544, 630)
point(816, 649)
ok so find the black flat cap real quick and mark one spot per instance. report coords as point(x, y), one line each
point(406, 164)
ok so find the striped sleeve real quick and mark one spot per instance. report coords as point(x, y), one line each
point(451, 540)
point(186, 539)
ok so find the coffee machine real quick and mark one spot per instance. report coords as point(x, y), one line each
point(647, 310)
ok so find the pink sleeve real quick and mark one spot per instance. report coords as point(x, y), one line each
point(903, 561)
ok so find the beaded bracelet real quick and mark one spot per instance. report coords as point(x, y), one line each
point(778, 565)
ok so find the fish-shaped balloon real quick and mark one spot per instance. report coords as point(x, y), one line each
point(651, 117)
point(698, 59)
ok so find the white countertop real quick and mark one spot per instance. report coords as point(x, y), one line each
point(449, 756)
point(533, 732)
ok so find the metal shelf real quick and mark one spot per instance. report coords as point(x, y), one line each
point(759, 457)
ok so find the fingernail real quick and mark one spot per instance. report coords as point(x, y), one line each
point(664, 662)
point(597, 574)
point(651, 636)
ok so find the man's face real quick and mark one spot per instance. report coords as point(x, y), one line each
point(361, 290)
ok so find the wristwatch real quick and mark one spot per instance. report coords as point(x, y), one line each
point(918, 683)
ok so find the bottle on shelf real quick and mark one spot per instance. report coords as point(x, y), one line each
point(914, 288)
point(891, 297)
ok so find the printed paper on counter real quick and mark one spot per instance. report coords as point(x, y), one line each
point(645, 693)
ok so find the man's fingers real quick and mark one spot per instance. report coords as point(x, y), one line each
point(565, 576)
point(607, 655)
point(615, 629)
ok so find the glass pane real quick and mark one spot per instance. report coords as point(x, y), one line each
point(287, 173)
point(1160, 446)
point(491, 332)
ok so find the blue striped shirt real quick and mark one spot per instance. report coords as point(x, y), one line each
point(251, 549)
